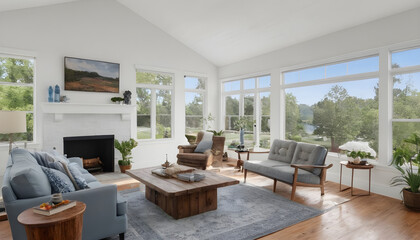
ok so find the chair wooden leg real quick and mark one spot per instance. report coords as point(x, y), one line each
point(322, 189)
point(295, 176)
point(274, 185)
point(245, 172)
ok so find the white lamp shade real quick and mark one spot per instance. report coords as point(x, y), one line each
point(12, 122)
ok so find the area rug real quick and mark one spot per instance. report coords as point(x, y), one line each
point(244, 212)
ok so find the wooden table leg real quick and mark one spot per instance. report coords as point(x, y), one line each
point(341, 174)
point(352, 174)
point(369, 178)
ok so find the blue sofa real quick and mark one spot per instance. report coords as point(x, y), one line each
point(25, 186)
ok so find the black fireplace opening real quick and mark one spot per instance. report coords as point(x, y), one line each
point(92, 149)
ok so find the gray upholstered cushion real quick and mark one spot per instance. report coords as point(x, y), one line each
point(310, 154)
point(59, 181)
point(77, 175)
point(26, 176)
point(282, 151)
point(259, 166)
point(285, 174)
point(203, 146)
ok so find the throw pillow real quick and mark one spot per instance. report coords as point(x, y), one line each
point(203, 146)
point(77, 175)
point(26, 176)
point(60, 183)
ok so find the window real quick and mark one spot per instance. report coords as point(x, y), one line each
point(364, 65)
point(247, 99)
point(406, 94)
point(195, 95)
point(337, 109)
point(154, 104)
point(17, 75)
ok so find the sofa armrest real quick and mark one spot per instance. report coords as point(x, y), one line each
point(311, 166)
point(187, 148)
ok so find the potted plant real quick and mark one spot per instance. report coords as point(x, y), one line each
point(358, 152)
point(125, 148)
point(117, 99)
point(406, 158)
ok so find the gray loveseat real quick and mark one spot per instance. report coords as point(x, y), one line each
point(297, 164)
point(25, 186)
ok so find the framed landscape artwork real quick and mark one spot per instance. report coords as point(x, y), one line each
point(91, 76)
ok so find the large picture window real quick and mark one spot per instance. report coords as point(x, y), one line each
point(327, 105)
point(17, 90)
point(154, 104)
point(247, 100)
point(406, 94)
point(195, 95)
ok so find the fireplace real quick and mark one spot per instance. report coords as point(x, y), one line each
point(92, 149)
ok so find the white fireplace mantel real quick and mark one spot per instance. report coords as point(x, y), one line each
point(61, 109)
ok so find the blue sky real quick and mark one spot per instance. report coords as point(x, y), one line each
point(104, 69)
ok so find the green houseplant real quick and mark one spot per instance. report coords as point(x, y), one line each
point(125, 148)
point(406, 159)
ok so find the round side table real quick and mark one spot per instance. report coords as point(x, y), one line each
point(66, 225)
point(352, 167)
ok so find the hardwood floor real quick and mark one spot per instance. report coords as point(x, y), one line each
point(345, 217)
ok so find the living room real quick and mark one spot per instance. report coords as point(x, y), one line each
point(213, 42)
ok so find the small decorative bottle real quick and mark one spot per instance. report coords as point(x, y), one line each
point(50, 94)
point(57, 94)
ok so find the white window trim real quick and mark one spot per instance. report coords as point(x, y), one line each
point(20, 54)
point(242, 93)
point(200, 91)
point(153, 88)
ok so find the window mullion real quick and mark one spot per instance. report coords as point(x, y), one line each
point(153, 114)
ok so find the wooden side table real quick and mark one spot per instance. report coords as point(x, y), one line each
point(66, 225)
point(352, 167)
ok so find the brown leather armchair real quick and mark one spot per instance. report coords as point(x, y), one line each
point(188, 157)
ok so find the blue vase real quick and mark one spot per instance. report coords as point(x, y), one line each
point(50, 94)
point(57, 94)
point(241, 136)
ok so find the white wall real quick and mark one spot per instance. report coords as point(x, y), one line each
point(107, 31)
point(371, 37)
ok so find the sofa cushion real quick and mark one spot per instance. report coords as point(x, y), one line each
point(282, 150)
point(78, 177)
point(59, 181)
point(261, 166)
point(26, 176)
point(286, 174)
point(203, 146)
point(310, 154)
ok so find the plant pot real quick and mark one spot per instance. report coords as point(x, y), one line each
point(411, 200)
point(124, 167)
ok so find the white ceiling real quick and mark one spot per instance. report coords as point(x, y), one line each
point(228, 31)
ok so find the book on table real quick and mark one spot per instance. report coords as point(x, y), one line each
point(54, 210)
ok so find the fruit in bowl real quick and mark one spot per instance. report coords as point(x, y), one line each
point(49, 206)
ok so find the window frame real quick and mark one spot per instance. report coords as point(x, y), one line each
point(400, 71)
point(329, 80)
point(11, 53)
point(153, 88)
point(200, 91)
point(256, 104)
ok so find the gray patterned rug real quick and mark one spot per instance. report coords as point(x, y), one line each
point(244, 212)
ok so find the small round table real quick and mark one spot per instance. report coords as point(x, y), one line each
point(352, 167)
point(67, 224)
point(240, 162)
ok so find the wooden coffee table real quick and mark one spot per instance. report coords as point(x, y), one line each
point(182, 199)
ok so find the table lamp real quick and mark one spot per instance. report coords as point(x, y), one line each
point(12, 122)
